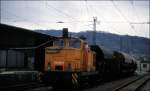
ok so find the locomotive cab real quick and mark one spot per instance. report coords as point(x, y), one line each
point(69, 54)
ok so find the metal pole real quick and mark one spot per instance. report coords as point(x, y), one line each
point(6, 65)
point(149, 45)
point(94, 30)
point(121, 43)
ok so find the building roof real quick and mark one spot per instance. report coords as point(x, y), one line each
point(12, 37)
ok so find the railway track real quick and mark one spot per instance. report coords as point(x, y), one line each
point(133, 83)
point(22, 87)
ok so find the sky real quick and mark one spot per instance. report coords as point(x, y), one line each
point(119, 17)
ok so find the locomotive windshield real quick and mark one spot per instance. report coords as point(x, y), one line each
point(59, 42)
point(73, 42)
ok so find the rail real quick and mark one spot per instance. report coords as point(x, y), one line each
point(21, 87)
point(134, 85)
point(118, 85)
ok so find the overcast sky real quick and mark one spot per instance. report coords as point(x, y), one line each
point(121, 17)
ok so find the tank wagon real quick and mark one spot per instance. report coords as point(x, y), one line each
point(127, 63)
point(71, 62)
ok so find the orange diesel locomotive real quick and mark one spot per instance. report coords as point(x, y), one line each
point(70, 62)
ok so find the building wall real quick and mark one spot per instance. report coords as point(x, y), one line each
point(2, 59)
point(145, 67)
point(14, 59)
point(141, 66)
point(28, 48)
point(138, 65)
point(10, 58)
point(31, 63)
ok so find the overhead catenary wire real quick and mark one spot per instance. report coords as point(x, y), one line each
point(115, 29)
point(19, 19)
point(87, 9)
point(129, 22)
point(60, 11)
point(140, 23)
point(22, 19)
point(92, 9)
point(134, 9)
point(75, 21)
point(131, 40)
point(131, 26)
point(47, 6)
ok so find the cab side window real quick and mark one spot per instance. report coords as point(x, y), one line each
point(74, 43)
point(59, 42)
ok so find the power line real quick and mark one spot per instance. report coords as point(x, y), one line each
point(22, 19)
point(131, 26)
point(59, 11)
point(130, 23)
point(86, 5)
point(133, 8)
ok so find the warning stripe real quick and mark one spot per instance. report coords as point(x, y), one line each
point(74, 78)
point(39, 77)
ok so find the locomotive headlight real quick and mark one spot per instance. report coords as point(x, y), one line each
point(48, 67)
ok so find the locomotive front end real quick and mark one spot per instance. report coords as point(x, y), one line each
point(62, 57)
point(67, 60)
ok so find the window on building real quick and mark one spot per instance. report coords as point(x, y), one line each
point(144, 65)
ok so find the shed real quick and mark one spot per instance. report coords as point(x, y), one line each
point(145, 66)
point(22, 49)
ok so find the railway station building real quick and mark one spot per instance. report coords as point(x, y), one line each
point(22, 49)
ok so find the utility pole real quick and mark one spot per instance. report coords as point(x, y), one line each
point(94, 30)
point(121, 42)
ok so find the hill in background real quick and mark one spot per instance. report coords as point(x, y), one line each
point(129, 44)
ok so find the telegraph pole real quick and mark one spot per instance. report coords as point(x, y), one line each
point(121, 42)
point(94, 30)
